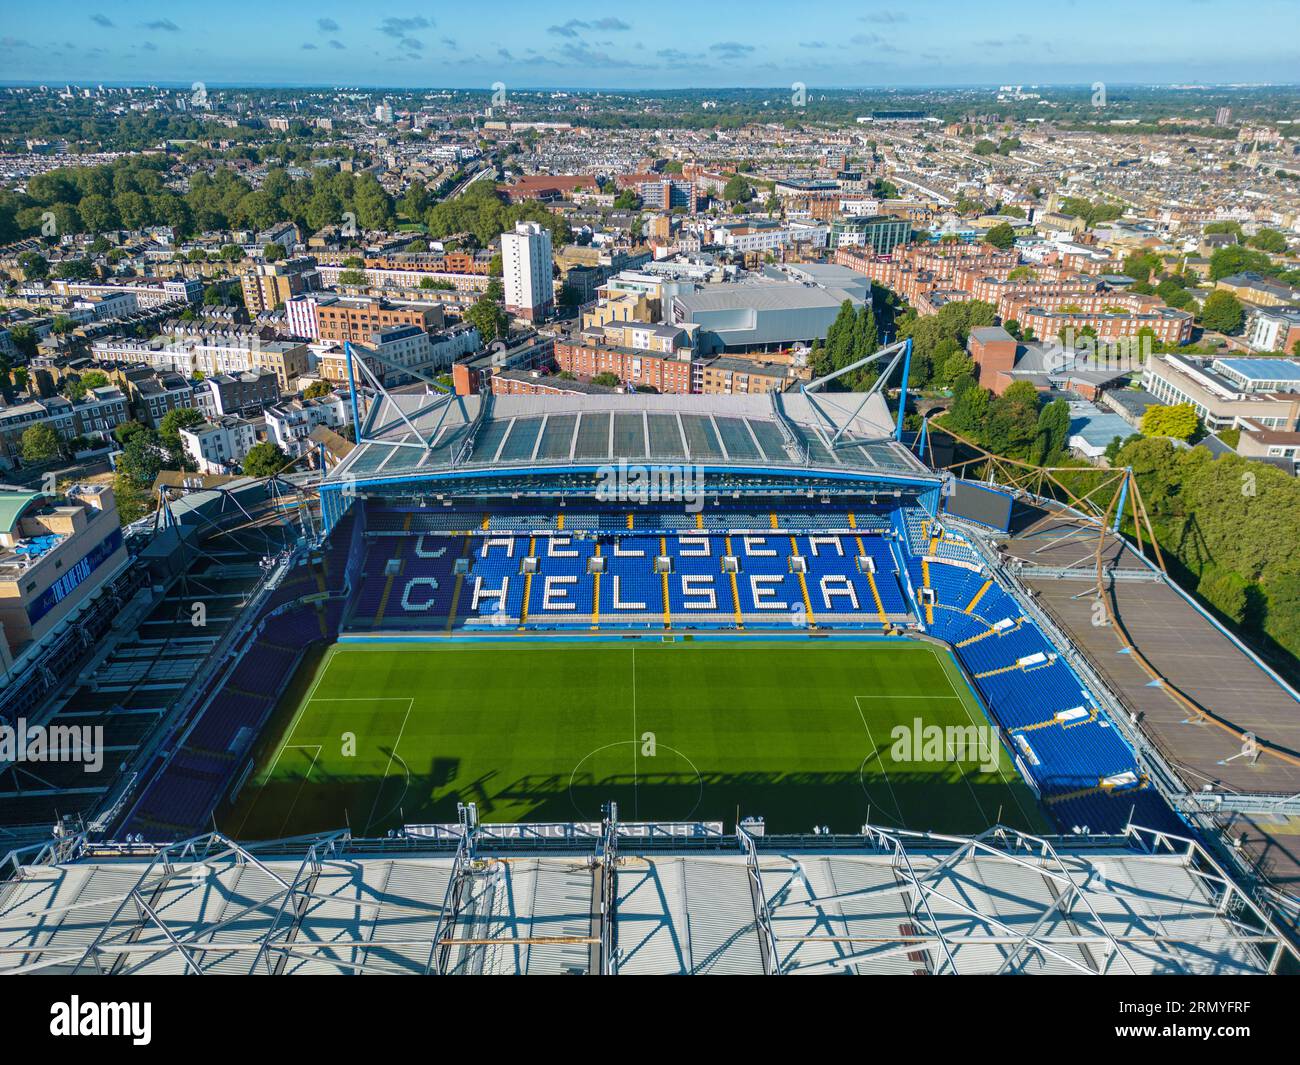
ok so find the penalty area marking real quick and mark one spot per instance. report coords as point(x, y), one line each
point(898, 811)
point(392, 753)
point(314, 747)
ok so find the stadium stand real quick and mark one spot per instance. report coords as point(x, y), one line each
point(384, 568)
point(214, 742)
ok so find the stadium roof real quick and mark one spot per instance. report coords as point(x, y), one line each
point(617, 899)
point(786, 431)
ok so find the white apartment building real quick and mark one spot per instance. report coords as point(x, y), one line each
point(144, 293)
point(290, 424)
point(1274, 329)
point(302, 315)
point(752, 238)
point(219, 446)
point(109, 305)
point(209, 355)
point(527, 266)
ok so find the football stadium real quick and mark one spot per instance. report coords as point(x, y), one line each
point(646, 684)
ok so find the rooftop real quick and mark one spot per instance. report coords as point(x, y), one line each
point(789, 431)
point(551, 899)
point(1262, 369)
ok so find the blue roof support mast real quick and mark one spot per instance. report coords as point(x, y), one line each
point(358, 368)
point(352, 390)
point(902, 392)
point(900, 350)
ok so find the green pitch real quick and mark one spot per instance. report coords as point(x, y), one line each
point(802, 733)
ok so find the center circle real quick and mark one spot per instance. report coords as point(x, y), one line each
point(663, 787)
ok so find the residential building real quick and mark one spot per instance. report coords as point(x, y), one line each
point(729, 375)
point(157, 393)
point(640, 354)
point(1258, 289)
point(527, 270)
point(1278, 446)
point(245, 394)
point(1275, 329)
point(220, 444)
point(666, 193)
point(287, 360)
point(360, 317)
point(881, 234)
point(268, 285)
point(290, 424)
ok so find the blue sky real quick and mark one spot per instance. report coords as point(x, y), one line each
point(666, 44)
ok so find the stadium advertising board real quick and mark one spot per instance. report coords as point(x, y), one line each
point(71, 580)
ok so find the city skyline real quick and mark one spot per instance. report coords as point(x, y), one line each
point(933, 45)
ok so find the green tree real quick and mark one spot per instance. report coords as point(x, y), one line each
point(1236, 259)
point(1226, 592)
point(971, 407)
point(142, 459)
point(1141, 265)
point(1001, 236)
point(263, 460)
point(737, 190)
point(40, 443)
point(1222, 312)
point(1053, 432)
point(169, 429)
point(33, 265)
point(1269, 240)
point(1178, 422)
point(487, 316)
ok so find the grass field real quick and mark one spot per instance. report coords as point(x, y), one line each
point(798, 732)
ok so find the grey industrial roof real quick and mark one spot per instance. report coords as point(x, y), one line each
point(547, 903)
point(775, 296)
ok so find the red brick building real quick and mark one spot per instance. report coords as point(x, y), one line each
point(994, 352)
point(663, 371)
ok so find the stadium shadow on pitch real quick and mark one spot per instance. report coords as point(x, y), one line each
point(939, 801)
